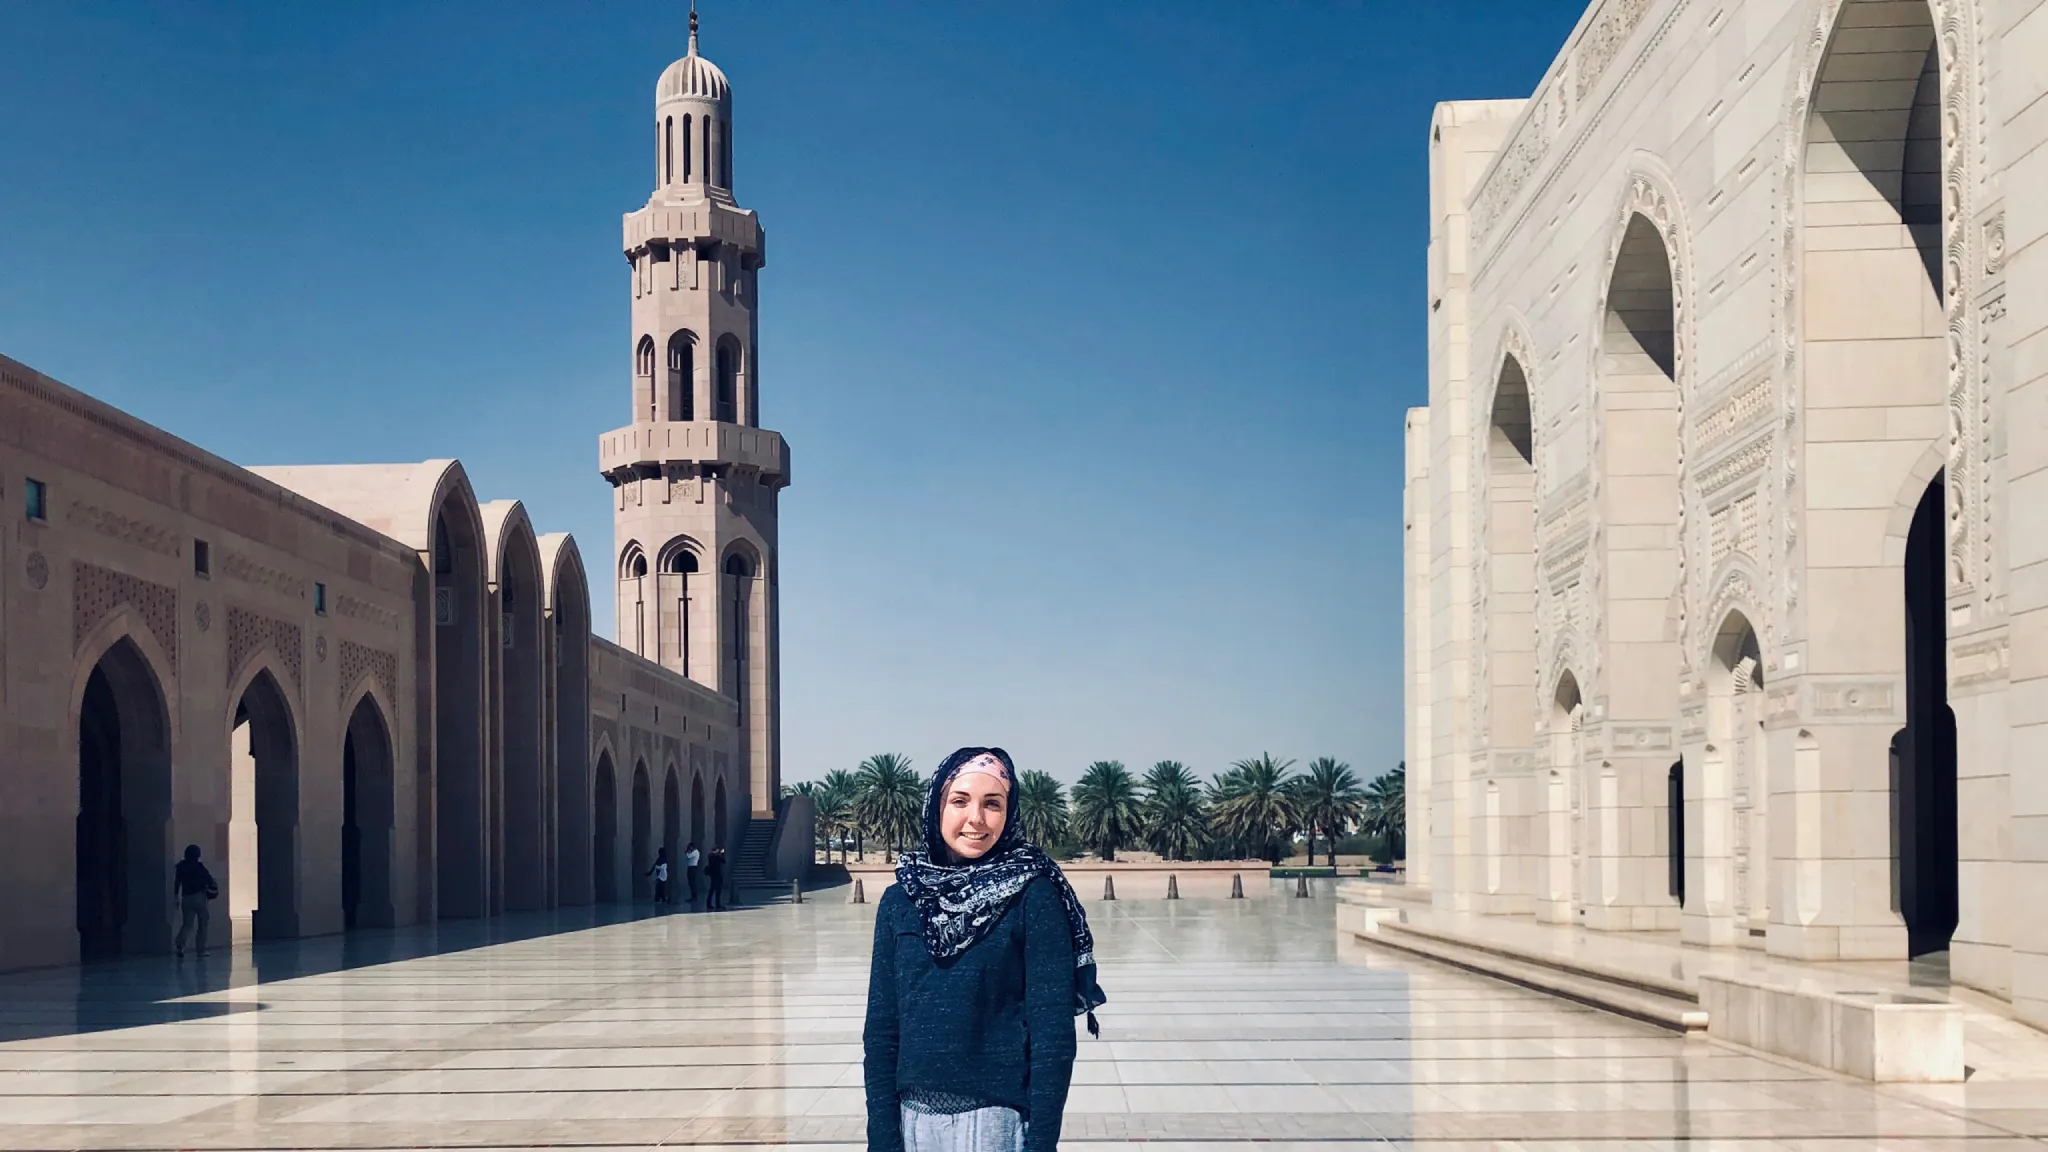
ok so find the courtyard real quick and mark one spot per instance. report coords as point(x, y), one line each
point(1230, 1023)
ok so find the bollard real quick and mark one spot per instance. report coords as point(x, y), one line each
point(860, 894)
point(796, 891)
point(1237, 886)
point(1109, 887)
point(1301, 887)
point(1172, 886)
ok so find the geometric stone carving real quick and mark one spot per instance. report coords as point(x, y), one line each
point(357, 660)
point(97, 592)
point(249, 632)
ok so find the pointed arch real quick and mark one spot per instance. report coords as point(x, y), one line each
point(122, 721)
point(369, 810)
point(568, 632)
point(680, 394)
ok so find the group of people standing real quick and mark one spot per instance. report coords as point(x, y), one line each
point(697, 867)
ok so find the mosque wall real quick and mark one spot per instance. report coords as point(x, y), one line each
point(1723, 616)
point(369, 699)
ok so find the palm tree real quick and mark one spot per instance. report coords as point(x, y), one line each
point(1107, 811)
point(1386, 811)
point(1331, 801)
point(1042, 808)
point(834, 799)
point(1253, 805)
point(890, 800)
point(1175, 824)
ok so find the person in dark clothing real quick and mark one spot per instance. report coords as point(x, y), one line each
point(659, 871)
point(714, 872)
point(982, 960)
point(192, 886)
point(693, 870)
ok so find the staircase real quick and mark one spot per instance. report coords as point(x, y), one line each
point(750, 866)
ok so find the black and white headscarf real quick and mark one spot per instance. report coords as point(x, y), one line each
point(958, 904)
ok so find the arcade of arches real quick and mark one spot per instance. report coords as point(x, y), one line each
point(367, 698)
point(1718, 585)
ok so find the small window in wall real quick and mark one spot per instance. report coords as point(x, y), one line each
point(202, 558)
point(38, 499)
point(668, 144)
point(686, 149)
point(319, 598)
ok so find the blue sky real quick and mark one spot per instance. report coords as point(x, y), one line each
point(1090, 325)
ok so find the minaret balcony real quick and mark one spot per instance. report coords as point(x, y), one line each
point(694, 222)
point(648, 447)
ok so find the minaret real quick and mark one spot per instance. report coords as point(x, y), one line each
point(696, 479)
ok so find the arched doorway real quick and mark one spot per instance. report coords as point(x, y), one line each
point(1510, 628)
point(604, 841)
point(720, 817)
point(1874, 327)
point(697, 812)
point(1640, 458)
point(672, 827)
point(1558, 826)
point(643, 835)
point(263, 848)
point(523, 851)
point(462, 848)
point(1924, 852)
point(368, 814)
point(574, 854)
point(124, 808)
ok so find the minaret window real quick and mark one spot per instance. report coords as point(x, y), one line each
point(668, 148)
point(725, 154)
point(686, 149)
point(682, 373)
point(728, 381)
point(707, 148)
point(643, 385)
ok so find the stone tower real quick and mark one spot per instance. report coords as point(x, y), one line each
point(695, 477)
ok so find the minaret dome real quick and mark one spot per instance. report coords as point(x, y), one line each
point(693, 125)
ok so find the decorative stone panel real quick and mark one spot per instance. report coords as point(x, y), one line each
point(359, 660)
point(98, 592)
point(127, 529)
point(249, 633)
point(236, 566)
point(1856, 699)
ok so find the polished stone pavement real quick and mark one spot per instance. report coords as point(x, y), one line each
point(1230, 1023)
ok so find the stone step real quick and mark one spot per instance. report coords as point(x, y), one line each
point(1629, 996)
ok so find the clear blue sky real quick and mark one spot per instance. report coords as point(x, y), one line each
point(1090, 324)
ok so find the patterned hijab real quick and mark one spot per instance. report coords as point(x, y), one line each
point(960, 903)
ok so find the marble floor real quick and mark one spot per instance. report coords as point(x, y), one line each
point(1230, 1023)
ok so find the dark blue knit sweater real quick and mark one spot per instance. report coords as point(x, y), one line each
point(995, 1023)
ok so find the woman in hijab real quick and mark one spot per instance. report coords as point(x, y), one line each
point(982, 961)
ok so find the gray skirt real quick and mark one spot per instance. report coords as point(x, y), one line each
point(991, 1129)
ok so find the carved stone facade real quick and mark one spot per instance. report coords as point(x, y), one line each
point(1751, 271)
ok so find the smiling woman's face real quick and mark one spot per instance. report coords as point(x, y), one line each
point(976, 808)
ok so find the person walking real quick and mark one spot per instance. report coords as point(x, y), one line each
point(693, 869)
point(714, 876)
point(660, 873)
point(982, 960)
point(192, 886)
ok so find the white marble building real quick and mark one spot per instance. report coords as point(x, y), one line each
point(1727, 564)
